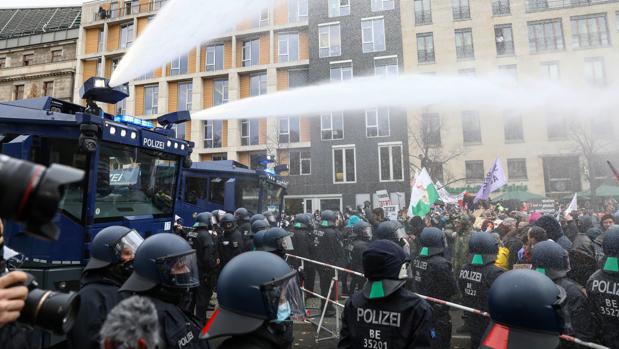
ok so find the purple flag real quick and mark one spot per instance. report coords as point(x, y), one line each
point(493, 181)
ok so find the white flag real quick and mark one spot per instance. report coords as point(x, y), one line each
point(444, 195)
point(493, 181)
point(572, 207)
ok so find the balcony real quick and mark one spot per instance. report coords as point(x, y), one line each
point(544, 5)
point(423, 17)
point(133, 9)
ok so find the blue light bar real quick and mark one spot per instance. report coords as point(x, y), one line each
point(126, 119)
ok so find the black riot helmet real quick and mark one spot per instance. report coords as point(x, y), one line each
point(228, 222)
point(527, 310)
point(483, 248)
point(550, 258)
point(328, 219)
point(386, 267)
point(218, 215)
point(113, 245)
point(362, 230)
point(204, 220)
point(271, 217)
point(242, 215)
point(256, 217)
point(252, 289)
point(302, 221)
point(610, 245)
point(277, 240)
point(390, 230)
point(259, 225)
point(163, 260)
point(432, 241)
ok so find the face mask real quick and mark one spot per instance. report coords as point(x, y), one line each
point(283, 312)
point(127, 268)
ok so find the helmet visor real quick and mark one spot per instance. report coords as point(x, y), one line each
point(400, 233)
point(179, 271)
point(271, 218)
point(280, 291)
point(286, 243)
point(367, 233)
point(126, 246)
point(213, 219)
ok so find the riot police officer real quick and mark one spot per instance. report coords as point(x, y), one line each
point(302, 231)
point(384, 314)
point(257, 217)
point(362, 235)
point(475, 279)
point(231, 241)
point(330, 250)
point(433, 276)
point(205, 244)
point(271, 218)
point(244, 225)
point(110, 264)
point(394, 231)
point(277, 241)
point(165, 270)
point(603, 291)
point(527, 312)
point(217, 215)
point(258, 294)
point(551, 259)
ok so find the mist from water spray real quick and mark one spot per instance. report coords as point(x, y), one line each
point(179, 27)
point(494, 92)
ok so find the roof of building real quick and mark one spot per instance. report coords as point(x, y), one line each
point(30, 21)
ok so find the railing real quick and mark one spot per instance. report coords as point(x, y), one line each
point(590, 40)
point(423, 17)
point(461, 12)
point(425, 56)
point(500, 8)
point(543, 5)
point(126, 11)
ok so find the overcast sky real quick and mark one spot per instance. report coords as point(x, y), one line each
point(38, 3)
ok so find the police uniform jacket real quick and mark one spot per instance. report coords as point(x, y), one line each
point(302, 244)
point(433, 276)
point(474, 282)
point(330, 249)
point(400, 320)
point(579, 310)
point(98, 295)
point(207, 252)
point(358, 247)
point(230, 245)
point(177, 329)
point(603, 291)
point(262, 338)
point(248, 242)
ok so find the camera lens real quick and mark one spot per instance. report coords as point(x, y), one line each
point(52, 311)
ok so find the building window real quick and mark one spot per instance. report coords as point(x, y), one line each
point(431, 129)
point(504, 40)
point(500, 7)
point(474, 170)
point(461, 10)
point(251, 53)
point(220, 156)
point(19, 92)
point(256, 160)
point(517, 169)
point(339, 8)
point(562, 174)
point(329, 41)
point(48, 88)
point(213, 132)
point(590, 31)
point(467, 72)
point(595, 72)
point(297, 10)
point(425, 48)
point(546, 35)
point(300, 163)
point(377, 122)
point(390, 162)
point(464, 43)
point(99, 68)
point(382, 5)
point(386, 66)
point(556, 127)
point(264, 18)
point(510, 70)
point(288, 130)
point(28, 59)
point(257, 84)
point(101, 43)
point(471, 127)
point(344, 164)
point(298, 77)
point(56, 55)
point(551, 70)
point(250, 130)
point(340, 72)
point(179, 65)
point(2, 62)
point(423, 12)
point(184, 96)
point(288, 47)
point(214, 57)
point(126, 35)
point(115, 63)
point(151, 99)
point(513, 127)
point(332, 126)
point(373, 35)
point(121, 107)
point(220, 91)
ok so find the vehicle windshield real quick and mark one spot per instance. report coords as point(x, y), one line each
point(273, 197)
point(247, 194)
point(134, 181)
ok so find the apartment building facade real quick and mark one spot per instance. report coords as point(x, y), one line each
point(566, 41)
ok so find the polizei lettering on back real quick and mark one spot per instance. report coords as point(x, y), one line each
point(378, 317)
point(470, 275)
point(153, 143)
point(607, 287)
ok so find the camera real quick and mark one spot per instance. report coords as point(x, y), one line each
point(31, 193)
